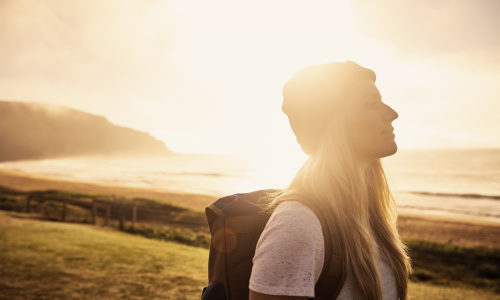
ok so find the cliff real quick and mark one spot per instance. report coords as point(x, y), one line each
point(37, 131)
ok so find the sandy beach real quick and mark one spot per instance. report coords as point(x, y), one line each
point(35, 182)
point(458, 231)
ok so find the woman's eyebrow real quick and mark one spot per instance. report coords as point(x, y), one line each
point(372, 94)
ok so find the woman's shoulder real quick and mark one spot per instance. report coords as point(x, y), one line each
point(295, 217)
point(295, 210)
point(290, 252)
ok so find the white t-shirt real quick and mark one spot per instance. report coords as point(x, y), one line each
point(290, 254)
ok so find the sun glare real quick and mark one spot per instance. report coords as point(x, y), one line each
point(206, 77)
point(245, 52)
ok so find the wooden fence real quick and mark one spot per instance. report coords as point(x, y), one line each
point(114, 210)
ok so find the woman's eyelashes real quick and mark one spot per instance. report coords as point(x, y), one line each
point(372, 100)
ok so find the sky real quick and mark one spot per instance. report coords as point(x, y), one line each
point(206, 76)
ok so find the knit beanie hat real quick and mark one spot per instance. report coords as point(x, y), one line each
point(312, 94)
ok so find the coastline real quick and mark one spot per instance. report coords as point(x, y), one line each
point(37, 182)
point(433, 228)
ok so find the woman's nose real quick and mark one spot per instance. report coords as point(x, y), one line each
point(390, 114)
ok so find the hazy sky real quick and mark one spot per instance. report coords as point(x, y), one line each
point(206, 76)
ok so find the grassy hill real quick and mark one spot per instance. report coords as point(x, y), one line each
point(47, 260)
point(35, 131)
point(52, 260)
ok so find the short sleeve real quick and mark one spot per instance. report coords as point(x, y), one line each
point(290, 253)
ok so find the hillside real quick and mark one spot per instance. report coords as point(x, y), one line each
point(53, 260)
point(56, 260)
point(37, 131)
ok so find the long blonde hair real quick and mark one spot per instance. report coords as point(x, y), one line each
point(360, 204)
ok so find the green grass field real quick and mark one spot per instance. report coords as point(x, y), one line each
point(53, 260)
point(49, 260)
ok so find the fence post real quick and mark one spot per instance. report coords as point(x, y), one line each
point(134, 215)
point(121, 224)
point(108, 214)
point(28, 204)
point(94, 212)
point(63, 217)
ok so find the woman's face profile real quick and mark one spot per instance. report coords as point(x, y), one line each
point(369, 121)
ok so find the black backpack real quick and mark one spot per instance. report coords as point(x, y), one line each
point(236, 225)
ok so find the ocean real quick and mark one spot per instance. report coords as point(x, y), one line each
point(458, 183)
point(461, 183)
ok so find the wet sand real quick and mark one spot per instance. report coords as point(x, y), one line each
point(458, 231)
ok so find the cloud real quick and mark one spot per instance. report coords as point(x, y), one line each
point(111, 46)
point(435, 28)
point(207, 76)
point(107, 57)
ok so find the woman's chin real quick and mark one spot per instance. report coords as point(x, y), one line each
point(388, 150)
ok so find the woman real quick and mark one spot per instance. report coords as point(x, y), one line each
point(340, 121)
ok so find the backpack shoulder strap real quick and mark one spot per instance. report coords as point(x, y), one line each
point(333, 274)
point(213, 212)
